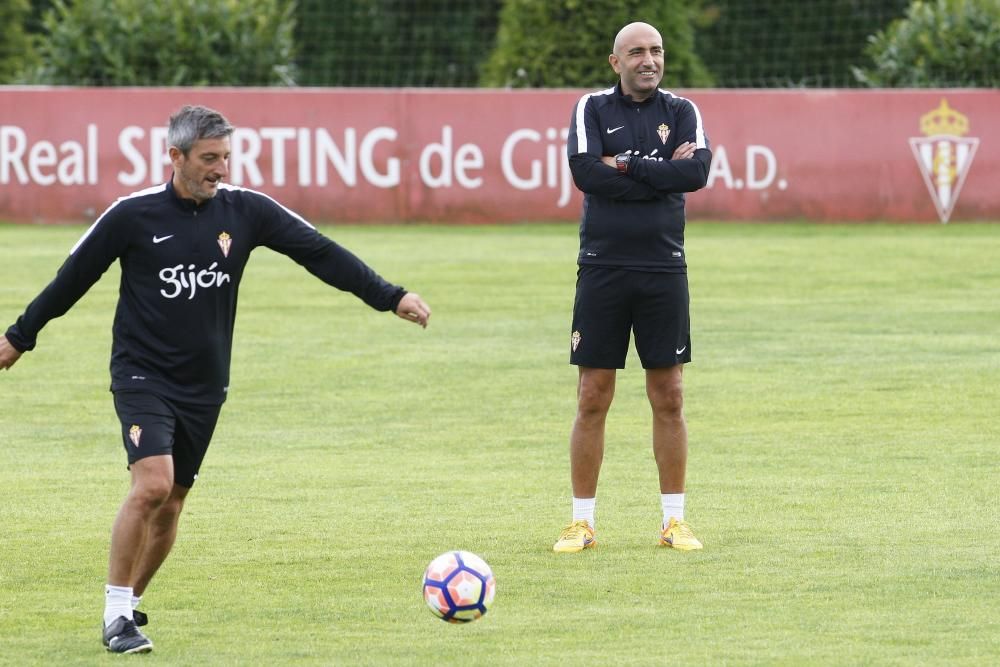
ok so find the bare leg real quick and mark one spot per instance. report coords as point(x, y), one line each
point(665, 389)
point(159, 540)
point(595, 390)
point(152, 479)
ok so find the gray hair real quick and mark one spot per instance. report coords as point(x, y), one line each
point(192, 123)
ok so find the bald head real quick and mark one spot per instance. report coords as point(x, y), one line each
point(631, 31)
point(638, 59)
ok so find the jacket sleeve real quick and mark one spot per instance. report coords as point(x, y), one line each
point(88, 260)
point(585, 150)
point(688, 175)
point(286, 232)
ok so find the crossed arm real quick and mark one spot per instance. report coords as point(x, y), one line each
point(683, 152)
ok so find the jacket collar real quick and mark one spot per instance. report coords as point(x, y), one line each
point(185, 203)
point(627, 99)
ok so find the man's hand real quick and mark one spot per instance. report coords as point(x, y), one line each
point(684, 151)
point(8, 355)
point(413, 309)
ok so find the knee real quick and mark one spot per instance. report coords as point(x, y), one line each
point(170, 510)
point(594, 399)
point(667, 399)
point(151, 494)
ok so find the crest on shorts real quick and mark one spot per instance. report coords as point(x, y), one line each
point(575, 339)
point(944, 155)
point(225, 242)
point(664, 131)
point(134, 434)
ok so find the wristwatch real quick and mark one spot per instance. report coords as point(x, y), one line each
point(622, 160)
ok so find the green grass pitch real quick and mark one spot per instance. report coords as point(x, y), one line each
point(844, 471)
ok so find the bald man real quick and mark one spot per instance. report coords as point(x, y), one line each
point(634, 151)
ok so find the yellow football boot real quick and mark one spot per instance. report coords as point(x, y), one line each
point(678, 535)
point(575, 537)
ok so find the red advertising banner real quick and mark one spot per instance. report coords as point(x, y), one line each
point(465, 155)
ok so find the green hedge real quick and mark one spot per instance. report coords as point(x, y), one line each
point(499, 43)
point(941, 43)
point(393, 42)
point(790, 43)
point(16, 52)
point(566, 43)
point(175, 43)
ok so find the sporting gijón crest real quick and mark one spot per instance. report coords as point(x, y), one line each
point(944, 155)
point(225, 243)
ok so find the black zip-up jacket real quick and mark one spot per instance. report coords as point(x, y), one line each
point(181, 269)
point(635, 220)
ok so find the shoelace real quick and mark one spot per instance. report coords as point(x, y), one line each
point(574, 530)
point(683, 529)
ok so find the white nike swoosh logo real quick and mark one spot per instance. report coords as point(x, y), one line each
point(681, 351)
point(161, 239)
point(610, 131)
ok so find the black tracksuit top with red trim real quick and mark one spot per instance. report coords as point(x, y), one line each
point(635, 220)
point(181, 269)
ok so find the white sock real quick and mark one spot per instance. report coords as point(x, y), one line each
point(117, 602)
point(136, 601)
point(583, 509)
point(673, 506)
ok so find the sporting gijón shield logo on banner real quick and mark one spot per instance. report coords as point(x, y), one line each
point(944, 155)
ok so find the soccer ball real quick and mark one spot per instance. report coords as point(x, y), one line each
point(459, 586)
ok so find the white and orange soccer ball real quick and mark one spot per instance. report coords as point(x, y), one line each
point(459, 586)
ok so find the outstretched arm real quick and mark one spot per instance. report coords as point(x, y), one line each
point(88, 260)
point(288, 233)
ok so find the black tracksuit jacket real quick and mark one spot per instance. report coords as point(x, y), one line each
point(181, 269)
point(635, 220)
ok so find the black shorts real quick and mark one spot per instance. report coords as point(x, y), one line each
point(611, 303)
point(153, 426)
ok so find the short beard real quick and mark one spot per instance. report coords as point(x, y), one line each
point(196, 191)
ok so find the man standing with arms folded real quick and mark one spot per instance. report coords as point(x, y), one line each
point(634, 150)
point(182, 246)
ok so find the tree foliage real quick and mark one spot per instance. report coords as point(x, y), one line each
point(177, 43)
point(393, 42)
point(566, 43)
point(789, 43)
point(938, 43)
point(16, 51)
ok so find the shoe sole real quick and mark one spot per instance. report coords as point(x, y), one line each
point(138, 649)
point(679, 548)
point(575, 550)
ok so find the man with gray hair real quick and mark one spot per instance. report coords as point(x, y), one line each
point(182, 246)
